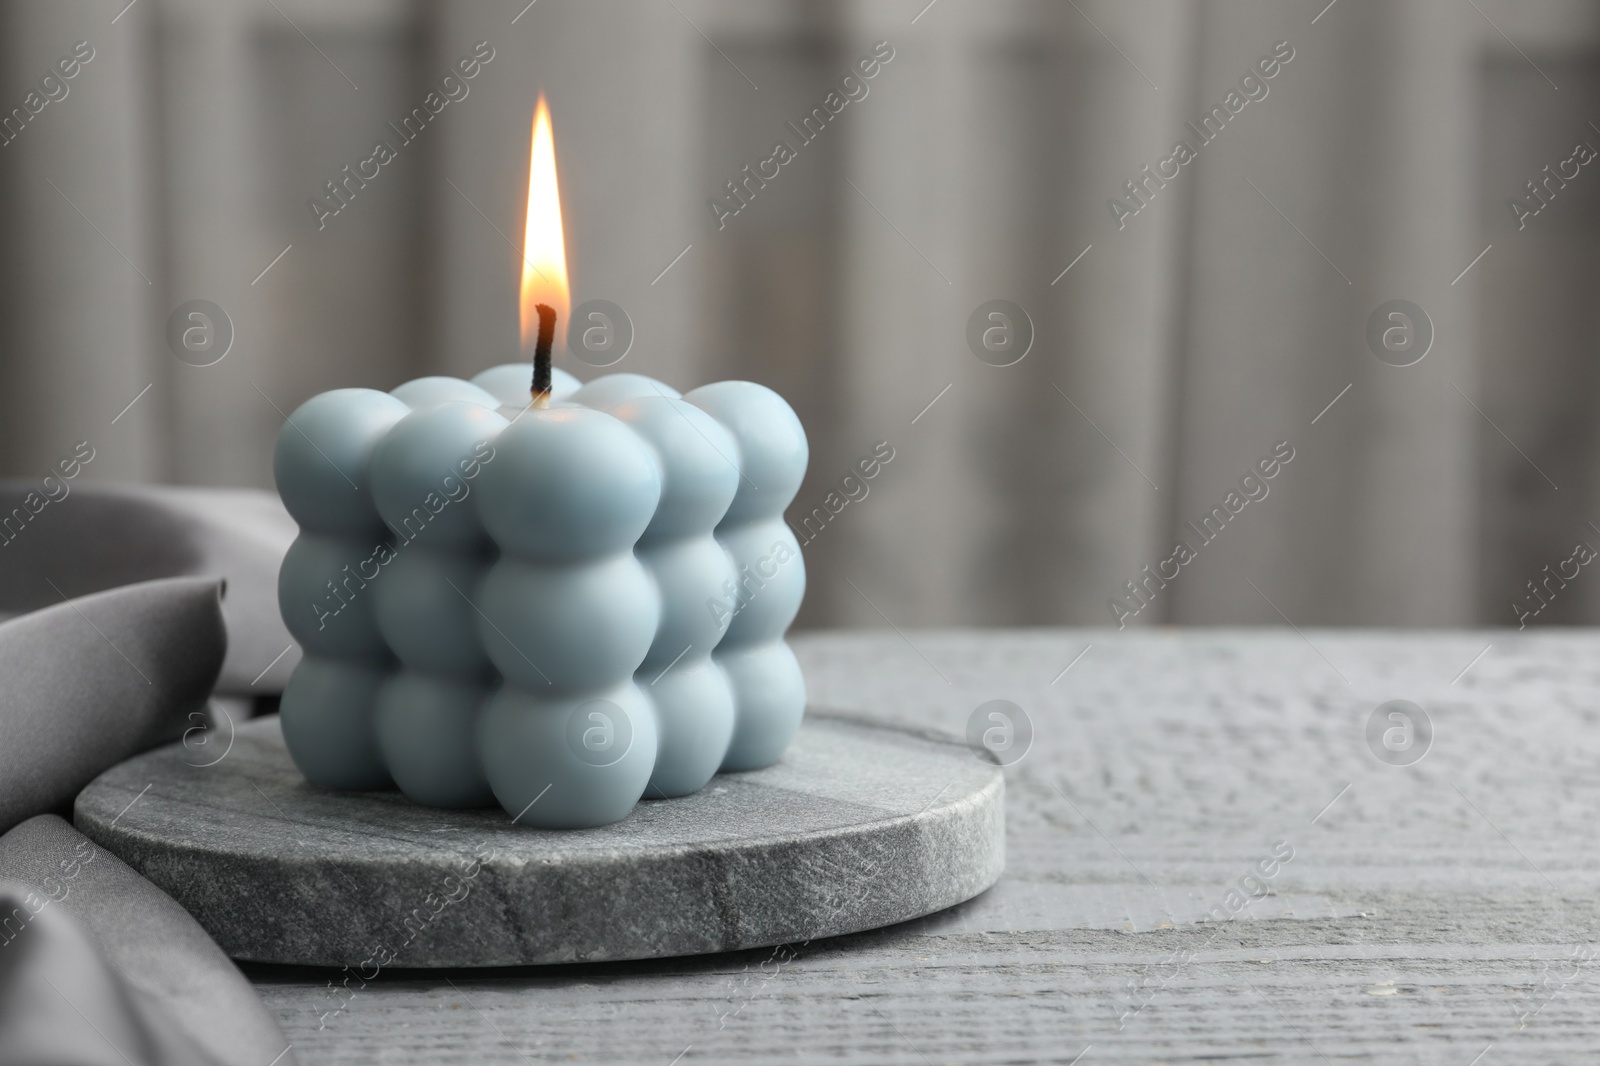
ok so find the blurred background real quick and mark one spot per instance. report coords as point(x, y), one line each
point(1177, 338)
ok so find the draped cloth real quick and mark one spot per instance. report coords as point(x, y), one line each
point(85, 938)
point(103, 659)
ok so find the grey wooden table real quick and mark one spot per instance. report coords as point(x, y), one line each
point(1439, 912)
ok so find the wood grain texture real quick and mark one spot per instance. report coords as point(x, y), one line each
point(1428, 913)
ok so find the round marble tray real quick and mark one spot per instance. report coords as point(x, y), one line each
point(857, 827)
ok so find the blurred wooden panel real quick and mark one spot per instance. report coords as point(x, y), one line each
point(1177, 352)
point(80, 318)
point(1541, 331)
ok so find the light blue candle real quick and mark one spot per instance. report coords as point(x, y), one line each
point(558, 609)
point(427, 728)
point(328, 723)
point(423, 474)
point(510, 383)
point(322, 465)
point(567, 615)
point(699, 464)
point(769, 690)
point(430, 392)
point(608, 391)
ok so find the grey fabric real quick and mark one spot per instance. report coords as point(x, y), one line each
point(95, 680)
point(89, 682)
point(125, 955)
point(53, 979)
point(99, 537)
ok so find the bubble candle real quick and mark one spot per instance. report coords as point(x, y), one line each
point(518, 591)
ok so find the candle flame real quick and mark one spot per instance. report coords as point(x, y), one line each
point(544, 250)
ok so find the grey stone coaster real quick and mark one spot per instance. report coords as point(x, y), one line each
point(857, 827)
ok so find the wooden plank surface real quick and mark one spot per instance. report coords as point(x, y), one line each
point(1443, 912)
